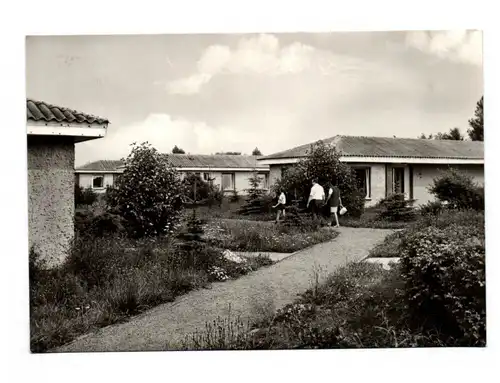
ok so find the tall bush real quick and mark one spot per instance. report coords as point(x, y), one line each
point(148, 194)
point(323, 162)
point(444, 272)
point(458, 189)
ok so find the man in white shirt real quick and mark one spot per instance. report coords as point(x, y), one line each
point(316, 198)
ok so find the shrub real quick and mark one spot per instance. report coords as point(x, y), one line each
point(257, 202)
point(396, 208)
point(323, 163)
point(100, 225)
point(444, 272)
point(458, 189)
point(432, 208)
point(84, 197)
point(148, 194)
point(195, 188)
point(234, 197)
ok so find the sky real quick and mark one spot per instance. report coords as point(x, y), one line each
point(214, 93)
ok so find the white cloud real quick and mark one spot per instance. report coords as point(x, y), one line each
point(256, 55)
point(462, 46)
point(163, 132)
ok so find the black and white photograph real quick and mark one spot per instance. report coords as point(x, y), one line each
point(256, 191)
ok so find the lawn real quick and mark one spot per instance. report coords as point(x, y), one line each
point(370, 219)
point(254, 236)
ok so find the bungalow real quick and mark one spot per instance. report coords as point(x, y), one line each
point(388, 165)
point(98, 175)
point(52, 133)
point(230, 173)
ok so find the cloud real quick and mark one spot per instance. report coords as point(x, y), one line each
point(460, 46)
point(163, 132)
point(256, 55)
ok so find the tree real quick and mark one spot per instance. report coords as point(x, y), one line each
point(148, 194)
point(323, 162)
point(453, 134)
point(476, 133)
point(256, 152)
point(228, 153)
point(177, 150)
point(256, 201)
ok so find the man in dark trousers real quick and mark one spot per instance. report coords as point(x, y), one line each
point(316, 198)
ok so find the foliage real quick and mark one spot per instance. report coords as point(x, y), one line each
point(177, 150)
point(228, 153)
point(361, 305)
point(444, 271)
point(254, 236)
point(476, 132)
point(458, 190)
point(99, 225)
point(234, 197)
point(323, 163)
point(106, 280)
point(84, 197)
point(397, 208)
point(452, 134)
point(432, 208)
point(256, 152)
point(148, 195)
point(197, 189)
point(257, 202)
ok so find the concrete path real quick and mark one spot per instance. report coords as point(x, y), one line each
point(274, 286)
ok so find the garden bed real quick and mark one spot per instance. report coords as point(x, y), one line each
point(255, 236)
point(108, 280)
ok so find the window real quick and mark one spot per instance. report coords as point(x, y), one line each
point(98, 182)
point(264, 184)
point(398, 180)
point(206, 177)
point(363, 180)
point(227, 181)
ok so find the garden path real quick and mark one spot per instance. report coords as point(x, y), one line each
point(271, 287)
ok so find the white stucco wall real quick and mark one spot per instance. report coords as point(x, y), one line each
point(241, 180)
point(85, 180)
point(377, 183)
point(423, 176)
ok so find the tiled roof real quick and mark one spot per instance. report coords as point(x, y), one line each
point(356, 146)
point(186, 161)
point(41, 111)
point(102, 165)
point(214, 161)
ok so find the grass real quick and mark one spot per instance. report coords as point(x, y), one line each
point(253, 236)
point(107, 280)
point(370, 219)
point(229, 210)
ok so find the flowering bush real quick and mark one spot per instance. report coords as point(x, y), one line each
point(444, 271)
point(148, 194)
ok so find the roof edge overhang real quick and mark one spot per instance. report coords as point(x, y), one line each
point(80, 132)
point(385, 160)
